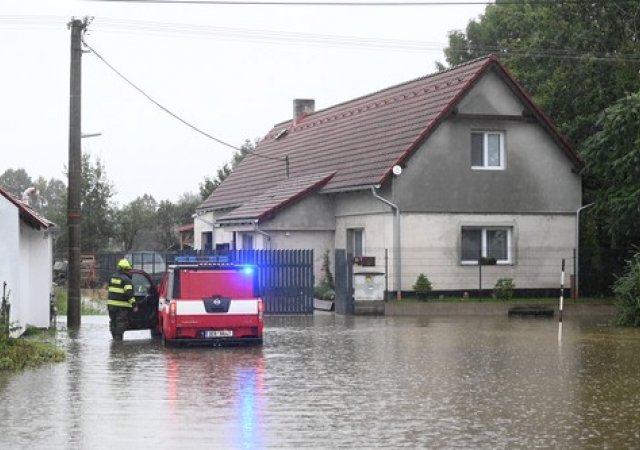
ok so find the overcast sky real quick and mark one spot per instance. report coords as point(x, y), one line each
point(231, 70)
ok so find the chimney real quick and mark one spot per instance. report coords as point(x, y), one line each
point(303, 106)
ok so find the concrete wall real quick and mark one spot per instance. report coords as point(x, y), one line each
point(537, 178)
point(433, 308)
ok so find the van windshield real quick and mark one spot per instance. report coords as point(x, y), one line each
point(210, 283)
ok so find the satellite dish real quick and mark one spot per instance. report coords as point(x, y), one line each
point(397, 170)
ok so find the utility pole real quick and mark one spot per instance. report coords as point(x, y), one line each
point(77, 27)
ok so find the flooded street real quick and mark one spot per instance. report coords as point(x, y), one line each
point(333, 381)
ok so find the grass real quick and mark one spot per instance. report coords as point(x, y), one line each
point(86, 309)
point(27, 352)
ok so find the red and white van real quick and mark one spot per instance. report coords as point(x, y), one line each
point(208, 302)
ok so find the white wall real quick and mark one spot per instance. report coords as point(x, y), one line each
point(9, 253)
point(431, 245)
point(26, 266)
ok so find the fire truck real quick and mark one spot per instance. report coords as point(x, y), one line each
point(201, 301)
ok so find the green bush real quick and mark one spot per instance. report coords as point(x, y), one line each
point(422, 286)
point(503, 290)
point(626, 290)
point(325, 290)
point(22, 353)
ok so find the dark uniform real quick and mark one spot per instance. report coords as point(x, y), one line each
point(120, 301)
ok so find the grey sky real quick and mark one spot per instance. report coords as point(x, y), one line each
point(232, 71)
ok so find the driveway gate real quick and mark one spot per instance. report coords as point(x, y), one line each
point(285, 277)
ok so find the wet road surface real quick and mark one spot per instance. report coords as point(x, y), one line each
point(337, 382)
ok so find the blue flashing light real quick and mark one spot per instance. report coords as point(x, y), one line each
point(248, 270)
point(202, 259)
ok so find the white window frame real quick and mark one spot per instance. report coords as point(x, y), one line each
point(485, 150)
point(483, 250)
point(353, 232)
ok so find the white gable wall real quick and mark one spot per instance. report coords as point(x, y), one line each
point(36, 255)
point(26, 266)
point(10, 253)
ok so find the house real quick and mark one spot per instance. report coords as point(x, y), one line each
point(26, 262)
point(428, 176)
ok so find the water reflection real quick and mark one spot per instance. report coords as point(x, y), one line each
point(331, 381)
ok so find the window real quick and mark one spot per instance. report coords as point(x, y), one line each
point(355, 241)
point(486, 242)
point(247, 242)
point(487, 150)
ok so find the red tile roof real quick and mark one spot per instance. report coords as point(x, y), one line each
point(362, 139)
point(284, 193)
point(27, 213)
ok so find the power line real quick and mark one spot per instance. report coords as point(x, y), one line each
point(148, 97)
point(171, 113)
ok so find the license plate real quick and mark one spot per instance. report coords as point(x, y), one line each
point(218, 333)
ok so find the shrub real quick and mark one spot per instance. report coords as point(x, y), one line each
point(626, 290)
point(325, 290)
point(503, 289)
point(422, 286)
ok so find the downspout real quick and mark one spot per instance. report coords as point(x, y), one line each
point(397, 263)
point(263, 233)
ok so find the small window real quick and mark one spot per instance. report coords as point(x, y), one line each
point(355, 241)
point(487, 150)
point(486, 242)
point(247, 242)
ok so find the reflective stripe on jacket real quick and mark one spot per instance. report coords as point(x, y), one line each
point(120, 291)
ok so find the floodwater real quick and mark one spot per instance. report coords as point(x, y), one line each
point(338, 382)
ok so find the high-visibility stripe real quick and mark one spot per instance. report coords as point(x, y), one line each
point(116, 281)
point(116, 290)
point(121, 304)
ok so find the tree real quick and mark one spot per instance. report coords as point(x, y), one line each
point(612, 158)
point(574, 58)
point(133, 218)
point(97, 207)
point(15, 181)
point(210, 184)
point(169, 216)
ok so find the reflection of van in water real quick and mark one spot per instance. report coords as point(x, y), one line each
point(151, 262)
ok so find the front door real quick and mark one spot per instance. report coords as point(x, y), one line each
point(146, 294)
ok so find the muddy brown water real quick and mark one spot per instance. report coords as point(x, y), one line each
point(338, 382)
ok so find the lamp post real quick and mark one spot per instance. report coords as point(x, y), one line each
point(577, 269)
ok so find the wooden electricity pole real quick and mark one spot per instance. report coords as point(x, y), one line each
point(75, 173)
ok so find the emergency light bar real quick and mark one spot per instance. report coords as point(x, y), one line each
point(214, 261)
point(202, 259)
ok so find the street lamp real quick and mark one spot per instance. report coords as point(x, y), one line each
point(577, 269)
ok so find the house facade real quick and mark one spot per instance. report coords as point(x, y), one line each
point(428, 177)
point(26, 262)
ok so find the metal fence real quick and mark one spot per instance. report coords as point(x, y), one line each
point(285, 277)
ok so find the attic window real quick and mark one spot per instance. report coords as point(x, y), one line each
point(281, 133)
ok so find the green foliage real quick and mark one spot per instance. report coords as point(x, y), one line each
point(503, 290)
point(21, 353)
point(15, 181)
point(211, 183)
point(326, 289)
point(550, 46)
point(422, 286)
point(97, 205)
point(134, 217)
point(627, 293)
point(612, 155)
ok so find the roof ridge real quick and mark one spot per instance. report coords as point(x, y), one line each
point(395, 86)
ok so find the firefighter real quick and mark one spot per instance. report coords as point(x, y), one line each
point(120, 300)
